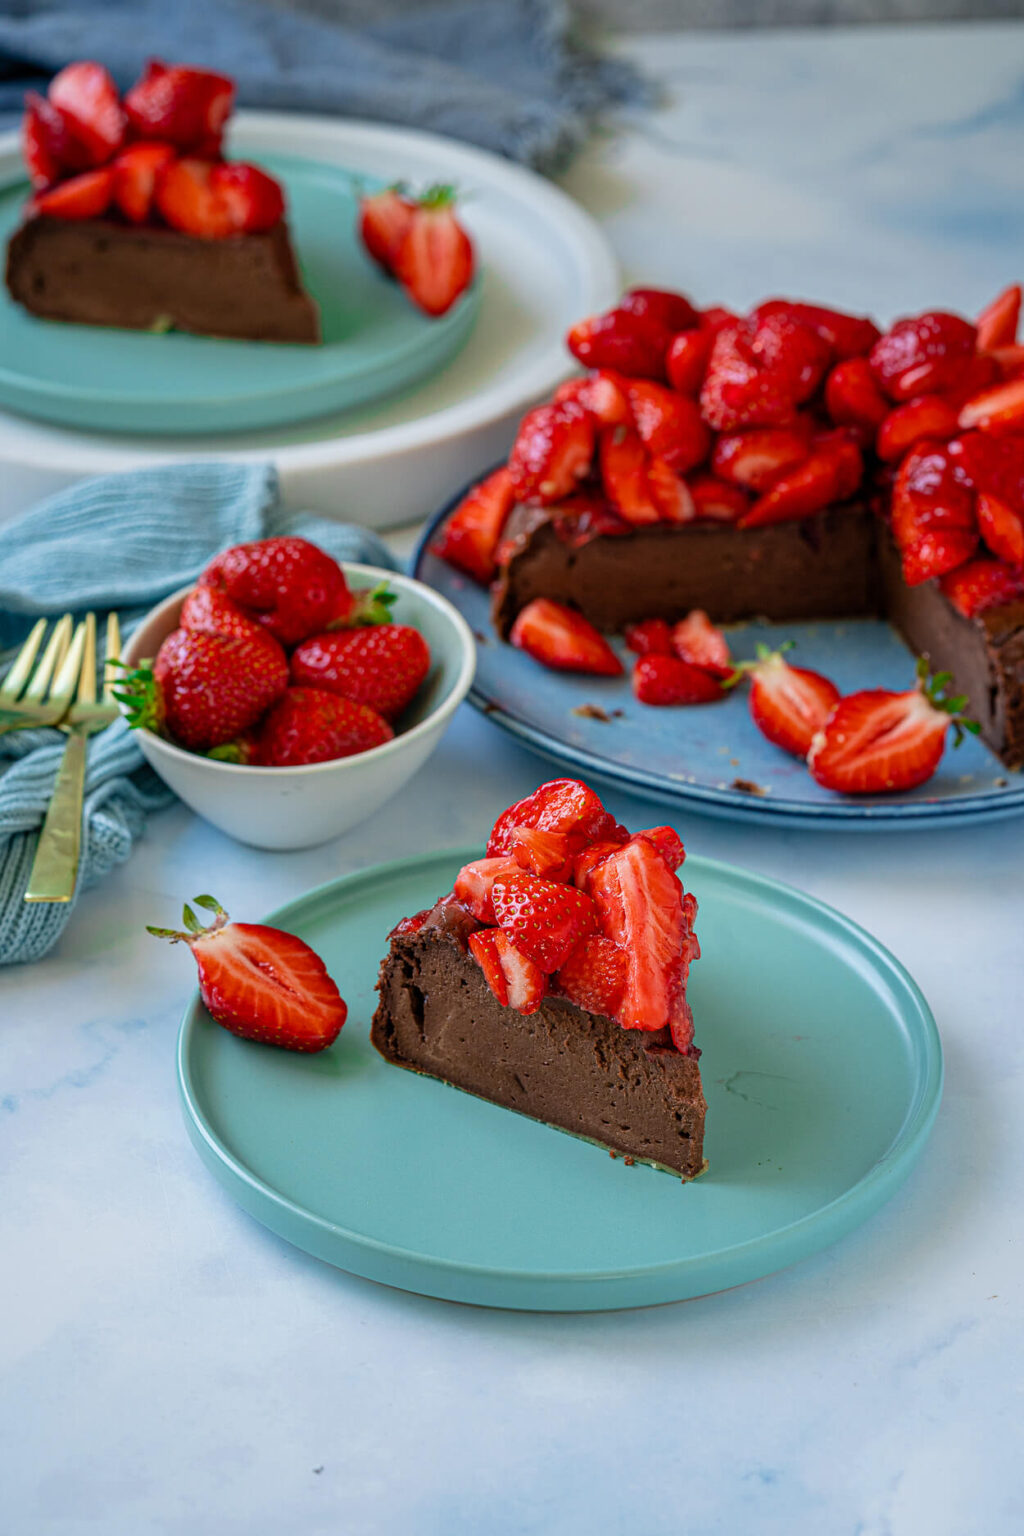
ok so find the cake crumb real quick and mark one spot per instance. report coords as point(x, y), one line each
point(748, 787)
point(481, 638)
point(630, 1162)
point(592, 712)
point(1001, 783)
point(490, 708)
point(734, 762)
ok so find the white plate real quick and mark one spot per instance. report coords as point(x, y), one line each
point(544, 263)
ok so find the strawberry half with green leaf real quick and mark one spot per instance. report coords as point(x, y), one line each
point(289, 585)
point(789, 705)
point(383, 666)
point(204, 690)
point(260, 982)
point(309, 725)
point(434, 260)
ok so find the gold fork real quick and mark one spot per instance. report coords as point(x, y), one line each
point(38, 693)
point(55, 867)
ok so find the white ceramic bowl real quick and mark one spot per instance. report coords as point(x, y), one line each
point(299, 807)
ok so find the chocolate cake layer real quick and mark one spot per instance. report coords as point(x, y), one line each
point(101, 272)
point(627, 1090)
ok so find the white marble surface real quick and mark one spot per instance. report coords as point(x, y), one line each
point(167, 1366)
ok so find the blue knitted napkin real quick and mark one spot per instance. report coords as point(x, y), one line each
point(506, 74)
point(124, 542)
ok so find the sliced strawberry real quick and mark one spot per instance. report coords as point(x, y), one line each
point(469, 537)
point(435, 259)
point(830, 473)
point(847, 335)
point(1002, 528)
point(935, 551)
point(547, 854)
point(716, 501)
point(757, 458)
point(86, 93)
point(925, 354)
point(527, 983)
point(384, 218)
point(561, 805)
point(474, 881)
point(602, 394)
point(652, 637)
point(715, 317)
point(789, 704)
point(982, 584)
point(49, 142)
point(135, 174)
point(990, 463)
point(212, 201)
point(484, 949)
point(624, 463)
point(181, 106)
point(668, 843)
point(561, 638)
point(620, 341)
point(929, 416)
point(669, 493)
point(670, 311)
point(669, 424)
point(586, 862)
point(594, 976)
point(80, 197)
point(760, 371)
point(980, 372)
point(853, 398)
point(544, 919)
point(996, 410)
point(930, 494)
point(255, 200)
point(876, 741)
point(664, 680)
point(997, 323)
point(640, 905)
point(553, 451)
point(687, 360)
point(1009, 361)
point(696, 640)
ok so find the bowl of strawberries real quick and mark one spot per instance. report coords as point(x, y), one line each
point(286, 697)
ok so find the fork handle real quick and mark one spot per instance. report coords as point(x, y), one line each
point(55, 867)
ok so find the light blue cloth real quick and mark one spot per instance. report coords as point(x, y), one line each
point(124, 542)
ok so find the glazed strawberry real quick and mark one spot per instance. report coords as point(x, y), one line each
point(670, 312)
point(624, 465)
point(669, 493)
point(1002, 528)
point(87, 95)
point(716, 501)
point(696, 640)
point(846, 335)
point(382, 666)
point(469, 537)
point(309, 725)
point(757, 458)
point(996, 410)
point(434, 262)
point(548, 854)
point(474, 881)
point(877, 741)
point(664, 680)
point(544, 919)
point(687, 359)
point(214, 201)
point(80, 197)
point(981, 584)
point(260, 982)
point(990, 463)
point(760, 371)
point(1009, 361)
point(853, 398)
point(668, 843)
point(207, 611)
point(484, 949)
point(205, 689)
point(927, 354)
point(561, 638)
point(292, 587)
point(652, 637)
point(789, 705)
point(254, 199)
point(135, 172)
point(594, 975)
point(553, 451)
point(830, 473)
point(625, 343)
point(934, 551)
point(601, 394)
point(932, 513)
point(564, 806)
point(181, 106)
point(997, 323)
point(640, 908)
point(929, 416)
point(513, 978)
point(669, 425)
point(49, 142)
point(384, 218)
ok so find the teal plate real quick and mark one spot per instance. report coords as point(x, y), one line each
point(822, 1070)
point(375, 343)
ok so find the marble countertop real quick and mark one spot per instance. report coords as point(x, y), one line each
point(167, 1366)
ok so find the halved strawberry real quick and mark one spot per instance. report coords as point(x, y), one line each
point(757, 458)
point(1002, 528)
point(716, 501)
point(650, 637)
point(696, 640)
point(86, 93)
point(561, 805)
point(544, 919)
point(181, 106)
point(526, 982)
point(553, 451)
point(586, 862)
point(1009, 361)
point(666, 680)
point(625, 343)
point(929, 416)
point(997, 323)
point(847, 335)
point(669, 493)
point(982, 584)
point(470, 535)
point(925, 354)
point(624, 464)
point(934, 552)
point(384, 218)
point(789, 705)
point(474, 881)
point(255, 199)
point(212, 201)
point(561, 638)
point(669, 424)
point(759, 371)
point(80, 197)
point(687, 360)
point(601, 393)
point(594, 975)
point(483, 946)
point(640, 906)
point(668, 843)
point(435, 258)
point(853, 398)
point(543, 853)
point(670, 311)
point(49, 142)
point(831, 471)
point(996, 410)
point(930, 493)
point(877, 741)
point(135, 173)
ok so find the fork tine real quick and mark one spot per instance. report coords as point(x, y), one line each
point(113, 653)
point(53, 655)
point(63, 687)
point(21, 666)
point(87, 675)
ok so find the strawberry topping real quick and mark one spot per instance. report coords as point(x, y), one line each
point(560, 638)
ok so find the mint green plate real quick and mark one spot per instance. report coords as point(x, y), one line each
point(376, 343)
point(822, 1070)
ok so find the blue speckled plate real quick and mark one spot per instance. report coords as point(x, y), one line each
point(375, 342)
point(821, 1066)
point(698, 757)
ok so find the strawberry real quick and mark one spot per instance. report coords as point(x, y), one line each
point(847, 336)
point(760, 371)
point(716, 501)
point(80, 197)
point(181, 106)
point(875, 740)
point(561, 638)
point(309, 725)
point(544, 919)
point(789, 705)
point(669, 493)
point(668, 680)
point(215, 201)
point(470, 535)
point(593, 975)
point(935, 551)
point(990, 463)
point(624, 464)
point(474, 881)
point(135, 172)
point(927, 416)
point(668, 843)
point(562, 805)
point(932, 511)
point(292, 587)
point(982, 584)
point(553, 450)
point(483, 947)
point(87, 96)
point(923, 355)
point(205, 689)
point(640, 908)
point(757, 458)
point(513, 978)
point(209, 612)
point(260, 982)
point(997, 323)
point(671, 312)
point(996, 410)
point(687, 360)
point(383, 666)
point(715, 317)
point(651, 637)
point(254, 200)
point(669, 425)
point(601, 394)
point(49, 142)
point(624, 342)
point(853, 398)
point(548, 854)
point(696, 640)
point(1009, 361)
point(1002, 528)
point(434, 261)
point(384, 218)
point(830, 473)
